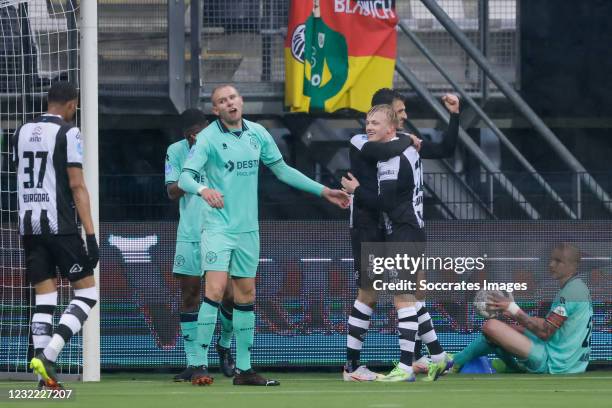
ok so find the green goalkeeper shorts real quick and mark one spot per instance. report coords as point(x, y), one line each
point(236, 253)
point(187, 259)
point(537, 361)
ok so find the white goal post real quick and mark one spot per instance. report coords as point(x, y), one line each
point(43, 41)
point(89, 129)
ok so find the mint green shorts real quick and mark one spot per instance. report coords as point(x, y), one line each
point(236, 253)
point(537, 360)
point(187, 259)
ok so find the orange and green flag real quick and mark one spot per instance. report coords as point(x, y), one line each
point(338, 53)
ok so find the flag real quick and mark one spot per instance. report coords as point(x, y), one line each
point(338, 53)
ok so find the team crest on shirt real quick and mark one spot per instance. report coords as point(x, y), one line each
point(179, 260)
point(254, 143)
point(211, 257)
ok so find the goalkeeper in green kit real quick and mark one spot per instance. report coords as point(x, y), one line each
point(560, 343)
point(229, 152)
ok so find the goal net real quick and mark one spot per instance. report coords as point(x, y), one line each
point(39, 45)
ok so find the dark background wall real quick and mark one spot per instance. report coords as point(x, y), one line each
point(566, 63)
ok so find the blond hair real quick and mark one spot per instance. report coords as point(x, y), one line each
point(390, 114)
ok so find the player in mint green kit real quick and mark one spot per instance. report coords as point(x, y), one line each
point(187, 259)
point(229, 151)
point(557, 344)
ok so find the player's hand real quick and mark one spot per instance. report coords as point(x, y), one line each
point(416, 142)
point(451, 102)
point(93, 252)
point(337, 197)
point(497, 302)
point(349, 183)
point(212, 197)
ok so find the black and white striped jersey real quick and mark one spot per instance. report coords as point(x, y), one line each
point(365, 209)
point(42, 150)
point(400, 179)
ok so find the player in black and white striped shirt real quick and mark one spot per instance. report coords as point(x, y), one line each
point(399, 194)
point(48, 155)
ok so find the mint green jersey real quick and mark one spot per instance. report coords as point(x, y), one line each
point(570, 347)
point(191, 207)
point(230, 160)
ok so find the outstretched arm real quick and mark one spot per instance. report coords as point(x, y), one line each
point(446, 148)
point(296, 179)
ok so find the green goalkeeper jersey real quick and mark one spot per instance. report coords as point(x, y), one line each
point(191, 207)
point(231, 162)
point(572, 311)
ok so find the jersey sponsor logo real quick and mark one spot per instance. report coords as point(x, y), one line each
point(79, 147)
point(168, 169)
point(76, 268)
point(36, 198)
point(179, 260)
point(211, 257)
point(242, 165)
point(36, 133)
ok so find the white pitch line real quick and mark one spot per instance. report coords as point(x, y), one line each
point(383, 405)
point(407, 389)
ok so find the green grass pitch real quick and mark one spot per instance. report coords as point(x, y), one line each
point(323, 390)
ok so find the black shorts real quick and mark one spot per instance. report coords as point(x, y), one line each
point(45, 253)
point(406, 240)
point(359, 236)
point(407, 233)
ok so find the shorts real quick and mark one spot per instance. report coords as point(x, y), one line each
point(359, 236)
point(187, 259)
point(46, 254)
point(236, 253)
point(405, 240)
point(537, 361)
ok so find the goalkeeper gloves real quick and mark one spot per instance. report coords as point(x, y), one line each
point(93, 253)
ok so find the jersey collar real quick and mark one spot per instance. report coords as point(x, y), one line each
point(570, 279)
point(224, 128)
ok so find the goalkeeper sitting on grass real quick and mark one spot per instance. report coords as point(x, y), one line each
point(558, 344)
